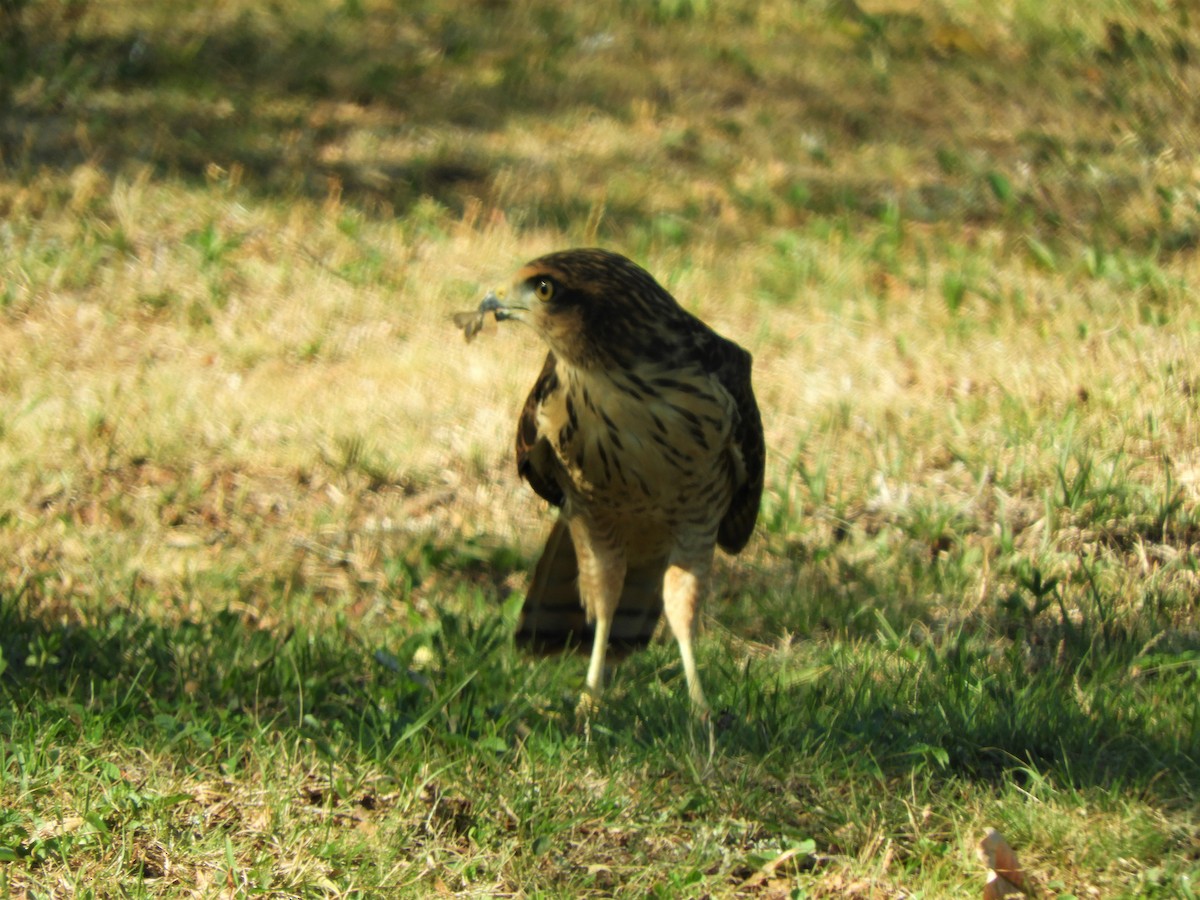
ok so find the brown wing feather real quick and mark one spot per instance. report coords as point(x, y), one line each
point(535, 460)
point(732, 365)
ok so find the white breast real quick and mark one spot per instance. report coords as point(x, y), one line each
point(648, 436)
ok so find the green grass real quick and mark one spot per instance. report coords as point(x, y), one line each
point(219, 752)
point(262, 546)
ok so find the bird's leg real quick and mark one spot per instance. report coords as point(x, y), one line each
point(683, 588)
point(595, 674)
point(601, 578)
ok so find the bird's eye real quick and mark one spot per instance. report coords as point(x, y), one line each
point(543, 290)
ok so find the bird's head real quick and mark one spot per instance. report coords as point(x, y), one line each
point(591, 306)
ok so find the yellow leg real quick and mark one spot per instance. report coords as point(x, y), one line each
point(682, 590)
point(601, 577)
point(595, 672)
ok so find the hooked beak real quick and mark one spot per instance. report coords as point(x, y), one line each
point(493, 304)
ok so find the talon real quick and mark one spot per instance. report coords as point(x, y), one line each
point(588, 705)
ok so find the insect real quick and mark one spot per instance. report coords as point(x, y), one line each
point(470, 322)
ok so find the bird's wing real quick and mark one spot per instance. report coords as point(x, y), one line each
point(732, 366)
point(535, 460)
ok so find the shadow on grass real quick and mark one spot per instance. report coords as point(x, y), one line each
point(956, 710)
point(195, 680)
point(279, 95)
point(383, 107)
point(852, 663)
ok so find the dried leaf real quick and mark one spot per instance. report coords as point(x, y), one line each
point(768, 867)
point(1005, 876)
point(50, 830)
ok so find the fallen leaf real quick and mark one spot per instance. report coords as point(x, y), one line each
point(50, 830)
point(767, 869)
point(1005, 877)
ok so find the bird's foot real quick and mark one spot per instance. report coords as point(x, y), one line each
point(588, 705)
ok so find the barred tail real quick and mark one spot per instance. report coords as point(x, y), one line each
point(553, 616)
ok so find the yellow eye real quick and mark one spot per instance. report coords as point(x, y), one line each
point(543, 290)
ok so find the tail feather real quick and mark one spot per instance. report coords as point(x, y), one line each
point(553, 616)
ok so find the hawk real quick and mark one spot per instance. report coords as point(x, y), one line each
point(643, 430)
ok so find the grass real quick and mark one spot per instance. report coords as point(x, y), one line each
point(262, 543)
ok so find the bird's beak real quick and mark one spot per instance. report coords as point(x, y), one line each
point(494, 303)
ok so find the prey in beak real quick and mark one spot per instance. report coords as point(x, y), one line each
point(472, 322)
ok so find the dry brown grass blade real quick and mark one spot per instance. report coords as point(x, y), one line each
point(769, 868)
